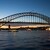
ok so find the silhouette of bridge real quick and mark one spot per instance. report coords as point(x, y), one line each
point(25, 20)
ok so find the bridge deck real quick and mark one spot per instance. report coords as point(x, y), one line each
point(25, 23)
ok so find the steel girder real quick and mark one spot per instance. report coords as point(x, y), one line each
point(18, 15)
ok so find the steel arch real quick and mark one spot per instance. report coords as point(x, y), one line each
point(18, 15)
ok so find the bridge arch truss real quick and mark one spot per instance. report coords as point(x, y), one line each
point(19, 15)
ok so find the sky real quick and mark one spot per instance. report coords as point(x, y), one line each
point(9, 7)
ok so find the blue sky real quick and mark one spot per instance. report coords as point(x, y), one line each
point(9, 7)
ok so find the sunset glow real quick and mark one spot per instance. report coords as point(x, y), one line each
point(30, 26)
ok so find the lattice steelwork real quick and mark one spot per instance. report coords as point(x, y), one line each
point(29, 19)
point(26, 17)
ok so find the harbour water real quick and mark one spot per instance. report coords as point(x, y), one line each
point(25, 40)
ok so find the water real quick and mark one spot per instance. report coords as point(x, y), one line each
point(25, 40)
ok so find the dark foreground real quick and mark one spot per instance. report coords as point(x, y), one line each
point(25, 40)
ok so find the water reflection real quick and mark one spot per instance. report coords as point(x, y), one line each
point(24, 40)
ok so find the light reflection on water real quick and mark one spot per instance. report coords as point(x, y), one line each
point(25, 39)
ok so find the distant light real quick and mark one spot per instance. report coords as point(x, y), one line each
point(29, 29)
point(48, 29)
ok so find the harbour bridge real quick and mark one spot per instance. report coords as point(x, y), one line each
point(25, 20)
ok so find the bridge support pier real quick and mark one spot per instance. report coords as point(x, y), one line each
point(8, 26)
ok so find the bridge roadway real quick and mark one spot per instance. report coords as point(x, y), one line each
point(23, 25)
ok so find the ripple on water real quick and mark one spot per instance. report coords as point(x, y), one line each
point(24, 40)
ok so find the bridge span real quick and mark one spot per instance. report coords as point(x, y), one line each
point(20, 25)
point(25, 20)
